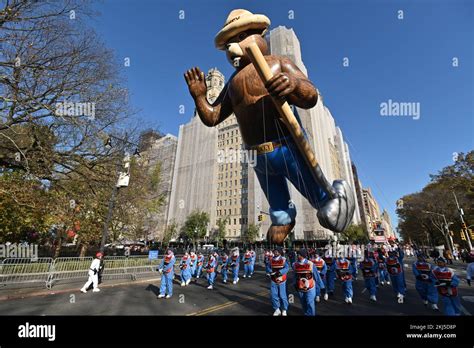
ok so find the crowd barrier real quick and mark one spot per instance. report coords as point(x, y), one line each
point(51, 271)
point(24, 270)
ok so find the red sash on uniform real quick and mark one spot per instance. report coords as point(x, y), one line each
point(319, 264)
point(247, 258)
point(393, 266)
point(224, 262)
point(329, 261)
point(342, 270)
point(209, 268)
point(304, 276)
point(277, 265)
point(381, 263)
point(167, 260)
point(183, 263)
point(424, 269)
point(367, 267)
point(445, 277)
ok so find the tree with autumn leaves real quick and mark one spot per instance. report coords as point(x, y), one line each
point(423, 228)
point(57, 171)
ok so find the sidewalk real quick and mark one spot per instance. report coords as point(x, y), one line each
point(18, 291)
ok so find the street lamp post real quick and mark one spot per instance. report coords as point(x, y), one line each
point(461, 213)
point(123, 163)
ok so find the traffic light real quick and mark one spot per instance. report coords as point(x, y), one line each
point(463, 226)
point(463, 237)
point(472, 233)
point(260, 217)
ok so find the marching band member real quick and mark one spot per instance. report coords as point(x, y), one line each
point(234, 265)
point(425, 281)
point(93, 274)
point(211, 270)
point(185, 266)
point(320, 265)
point(278, 268)
point(267, 257)
point(345, 273)
point(329, 282)
point(167, 274)
point(447, 283)
point(394, 264)
point(199, 265)
point(248, 264)
point(307, 279)
point(254, 258)
point(192, 263)
point(369, 267)
point(382, 267)
point(224, 267)
point(353, 259)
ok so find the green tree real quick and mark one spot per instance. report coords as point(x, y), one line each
point(171, 232)
point(250, 233)
point(355, 234)
point(437, 196)
point(195, 226)
point(220, 231)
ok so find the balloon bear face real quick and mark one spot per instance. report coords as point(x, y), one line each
point(235, 47)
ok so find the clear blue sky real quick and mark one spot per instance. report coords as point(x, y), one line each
point(407, 60)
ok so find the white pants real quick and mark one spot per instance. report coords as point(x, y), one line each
point(93, 279)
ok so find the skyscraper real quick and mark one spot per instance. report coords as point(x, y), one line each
point(195, 169)
point(325, 138)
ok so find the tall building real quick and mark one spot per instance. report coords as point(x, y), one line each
point(195, 174)
point(232, 179)
point(161, 151)
point(360, 199)
point(387, 224)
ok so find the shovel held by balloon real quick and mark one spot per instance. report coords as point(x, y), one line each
point(337, 211)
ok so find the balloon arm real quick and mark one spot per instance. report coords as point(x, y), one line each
point(263, 70)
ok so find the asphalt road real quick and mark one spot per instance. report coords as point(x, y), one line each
point(248, 297)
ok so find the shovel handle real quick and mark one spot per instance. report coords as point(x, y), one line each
point(289, 119)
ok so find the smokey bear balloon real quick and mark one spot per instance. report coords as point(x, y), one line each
point(253, 102)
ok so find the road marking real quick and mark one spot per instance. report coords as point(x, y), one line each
point(225, 305)
point(464, 310)
point(468, 298)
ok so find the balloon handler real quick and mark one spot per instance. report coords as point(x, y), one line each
point(260, 93)
point(93, 274)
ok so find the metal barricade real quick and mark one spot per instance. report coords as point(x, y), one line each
point(49, 271)
point(68, 268)
point(140, 266)
point(25, 270)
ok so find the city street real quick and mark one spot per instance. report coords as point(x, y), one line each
point(248, 297)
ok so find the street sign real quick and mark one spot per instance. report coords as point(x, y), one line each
point(380, 239)
point(153, 254)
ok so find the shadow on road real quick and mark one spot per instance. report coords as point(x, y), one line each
point(153, 288)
